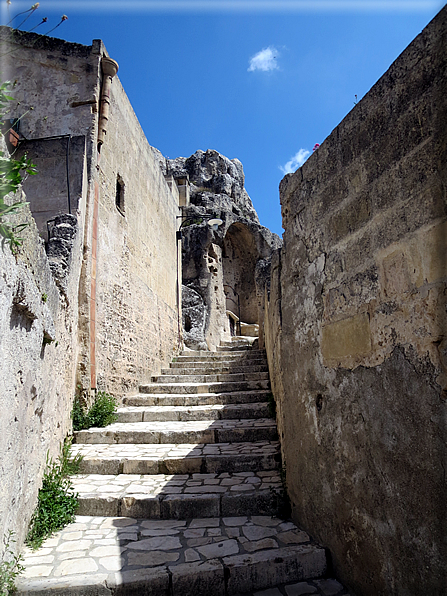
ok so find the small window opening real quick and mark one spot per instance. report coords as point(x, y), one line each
point(119, 196)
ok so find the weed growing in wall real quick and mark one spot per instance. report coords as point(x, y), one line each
point(100, 414)
point(10, 180)
point(57, 503)
point(10, 567)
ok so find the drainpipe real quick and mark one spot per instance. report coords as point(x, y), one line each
point(109, 70)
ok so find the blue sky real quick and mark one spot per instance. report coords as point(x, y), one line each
point(259, 80)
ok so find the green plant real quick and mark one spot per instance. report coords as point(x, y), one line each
point(57, 503)
point(44, 297)
point(10, 567)
point(101, 413)
point(10, 180)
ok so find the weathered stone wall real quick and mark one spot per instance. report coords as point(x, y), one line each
point(356, 331)
point(38, 348)
point(58, 187)
point(136, 317)
point(127, 313)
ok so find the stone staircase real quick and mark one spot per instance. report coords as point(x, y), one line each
point(183, 495)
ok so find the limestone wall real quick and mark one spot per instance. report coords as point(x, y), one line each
point(356, 331)
point(136, 316)
point(38, 349)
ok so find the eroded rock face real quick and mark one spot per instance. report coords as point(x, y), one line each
point(211, 173)
point(194, 315)
point(219, 265)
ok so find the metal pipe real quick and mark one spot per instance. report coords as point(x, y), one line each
point(67, 158)
point(109, 70)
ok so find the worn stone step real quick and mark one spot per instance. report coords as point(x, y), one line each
point(221, 387)
point(188, 413)
point(218, 556)
point(180, 496)
point(198, 399)
point(178, 459)
point(173, 431)
point(205, 356)
point(206, 377)
point(192, 368)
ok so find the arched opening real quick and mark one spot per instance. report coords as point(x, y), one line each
point(240, 255)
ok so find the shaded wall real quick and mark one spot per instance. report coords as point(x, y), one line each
point(356, 331)
point(38, 354)
point(58, 186)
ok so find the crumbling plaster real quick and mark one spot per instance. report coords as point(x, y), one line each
point(355, 331)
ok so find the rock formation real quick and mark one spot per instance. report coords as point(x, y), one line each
point(218, 266)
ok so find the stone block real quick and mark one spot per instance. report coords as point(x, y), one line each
point(188, 506)
point(259, 570)
point(141, 506)
point(151, 582)
point(346, 338)
point(198, 579)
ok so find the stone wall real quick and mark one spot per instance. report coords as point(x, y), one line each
point(136, 268)
point(128, 323)
point(38, 349)
point(356, 331)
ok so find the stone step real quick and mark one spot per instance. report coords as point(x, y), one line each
point(178, 459)
point(220, 387)
point(207, 377)
point(217, 556)
point(254, 365)
point(173, 432)
point(202, 356)
point(199, 399)
point(188, 413)
point(181, 496)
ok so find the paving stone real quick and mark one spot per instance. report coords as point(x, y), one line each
point(329, 587)
point(269, 592)
point(219, 549)
point(300, 589)
point(158, 542)
point(75, 566)
point(152, 559)
point(252, 547)
point(258, 532)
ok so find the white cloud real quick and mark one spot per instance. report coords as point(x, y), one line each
point(264, 60)
point(295, 162)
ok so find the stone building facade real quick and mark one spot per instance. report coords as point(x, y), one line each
point(97, 308)
point(356, 331)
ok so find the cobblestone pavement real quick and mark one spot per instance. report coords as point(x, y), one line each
point(109, 552)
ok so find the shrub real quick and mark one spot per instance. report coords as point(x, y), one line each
point(57, 503)
point(101, 413)
point(10, 568)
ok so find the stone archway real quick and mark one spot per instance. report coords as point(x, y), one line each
point(239, 258)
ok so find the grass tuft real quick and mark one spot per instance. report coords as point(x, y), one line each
point(100, 414)
point(57, 503)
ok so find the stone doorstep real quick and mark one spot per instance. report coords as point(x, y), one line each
point(178, 459)
point(190, 413)
point(219, 387)
point(173, 399)
point(206, 377)
point(199, 557)
point(206, 432)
